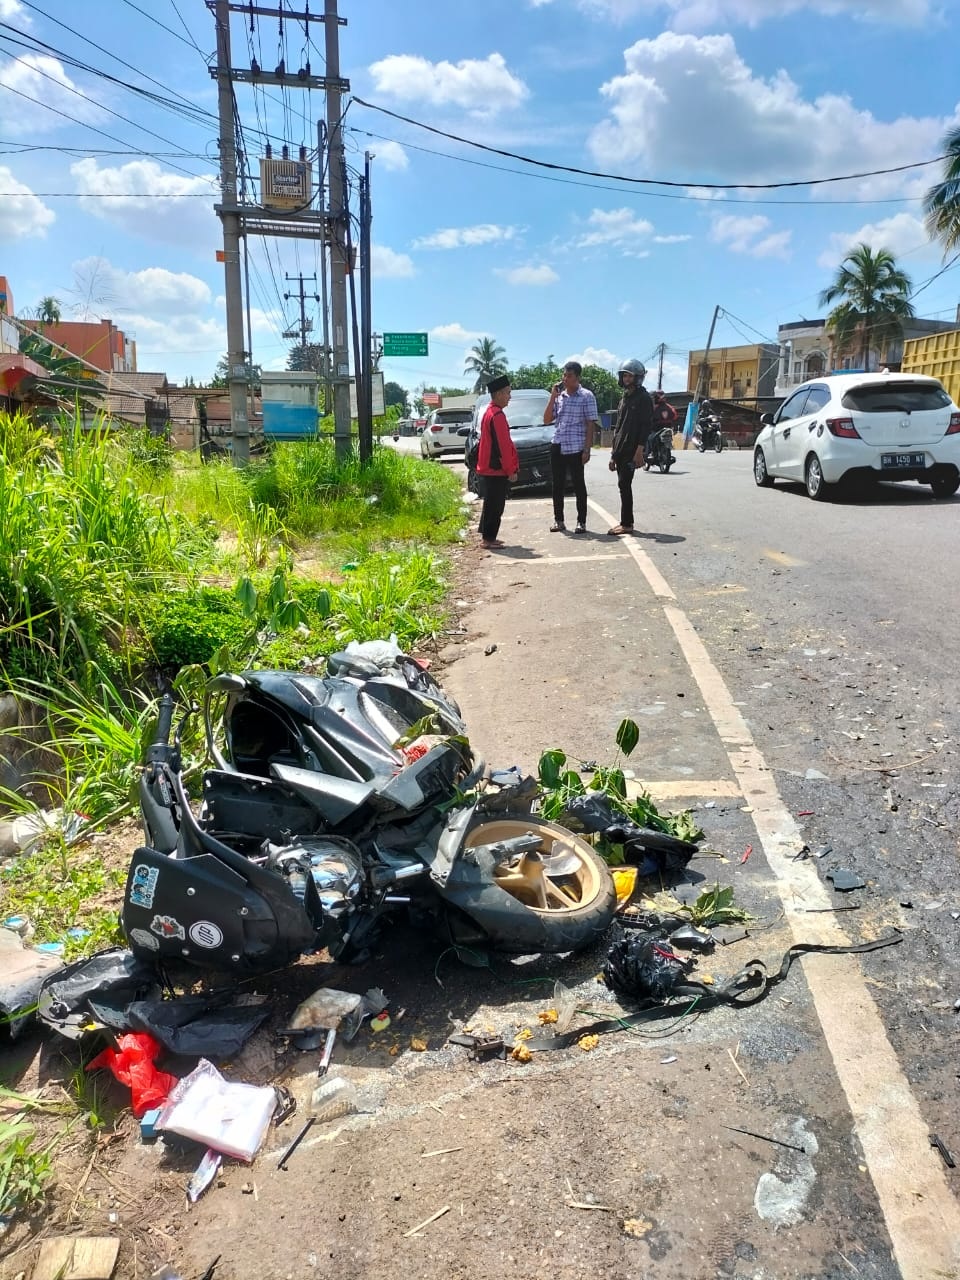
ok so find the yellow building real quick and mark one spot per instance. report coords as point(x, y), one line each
point(734, 373)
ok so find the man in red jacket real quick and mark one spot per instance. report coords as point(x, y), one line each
point(497, 462)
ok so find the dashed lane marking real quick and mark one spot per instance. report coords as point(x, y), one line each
point(920, 1212)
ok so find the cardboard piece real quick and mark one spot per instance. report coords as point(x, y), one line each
point(77, 1258)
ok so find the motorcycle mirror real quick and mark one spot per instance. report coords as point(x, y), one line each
point(225, 682)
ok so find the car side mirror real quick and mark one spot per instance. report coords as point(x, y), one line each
point(464, 431)
point(766, 419)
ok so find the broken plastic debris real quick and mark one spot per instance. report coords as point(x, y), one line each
point(520, 1053)
point(491, 648)
point(204, 1174)
point(586, 1043)
point(333, 1098)
point(227, 1116)
point(844, 880)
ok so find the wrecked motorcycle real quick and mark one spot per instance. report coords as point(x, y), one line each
point(334, 800)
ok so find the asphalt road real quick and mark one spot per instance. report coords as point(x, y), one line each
point(792, 666)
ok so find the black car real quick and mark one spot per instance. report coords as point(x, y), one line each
point(531, 438)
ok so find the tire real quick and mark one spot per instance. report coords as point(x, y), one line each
point(945, 485)
point(472, 481)
point(718, 443)
point(541, 910)
point(817, 487)
point(701, 446)
point(761, 475)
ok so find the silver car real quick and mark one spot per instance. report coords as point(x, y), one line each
point(862, 426)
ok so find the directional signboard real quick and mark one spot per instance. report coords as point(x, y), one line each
point(405, 344)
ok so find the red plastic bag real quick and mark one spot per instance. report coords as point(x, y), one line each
point(134, 1066)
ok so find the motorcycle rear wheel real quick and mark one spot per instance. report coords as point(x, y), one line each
point(565, 886)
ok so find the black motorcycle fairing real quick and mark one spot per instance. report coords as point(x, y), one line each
point(201, 910)
point(260, 808)
point(335, 799)
point(331, 723)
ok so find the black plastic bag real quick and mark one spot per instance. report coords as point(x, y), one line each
point(643, 966)
point(95, 990)
point(195, 1026)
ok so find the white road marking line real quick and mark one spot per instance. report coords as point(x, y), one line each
point(920, 1212)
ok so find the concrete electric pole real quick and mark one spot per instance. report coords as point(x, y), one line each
point(338, 225)
point(305, 325)
point(237, 363)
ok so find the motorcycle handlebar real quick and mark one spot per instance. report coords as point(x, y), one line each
point(164, 722)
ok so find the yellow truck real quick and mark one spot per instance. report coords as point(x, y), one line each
point(937, 354)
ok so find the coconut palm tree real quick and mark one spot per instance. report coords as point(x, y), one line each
point(485, 361)
point(941, 204)
point(872, 294)
point(48, 310)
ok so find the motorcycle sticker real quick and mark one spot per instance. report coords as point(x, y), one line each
point(144, 939)
point(143, 886)
point(206, 934)
point(167, 927)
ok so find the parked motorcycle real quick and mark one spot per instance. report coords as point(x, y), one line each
point(334, 800)
point(707, 433)
point(658, 450)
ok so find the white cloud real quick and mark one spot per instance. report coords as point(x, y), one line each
point(699, 15)
point(391, 155)
point(617, 227)
point(13, 9)
point(595, 355)
point(671, 239)
point(902, 234)
point(42, 78)
point(21, 212)
point(528, 275)
point(153, 290)
point(751, 235)
point(462, 237)
point(390, 265)
point(455, 335)
point(692, 105)
point(482, 87)
point(151, 202)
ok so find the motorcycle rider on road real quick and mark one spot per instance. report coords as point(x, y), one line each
point(633, 425)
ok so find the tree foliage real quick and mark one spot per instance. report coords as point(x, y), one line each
point(394, 393)
point(487, 359)
point(305, 358)
point(941, 204)
point(872, 296)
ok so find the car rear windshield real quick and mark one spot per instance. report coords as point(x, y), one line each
point(896, 397)
point(454, 415)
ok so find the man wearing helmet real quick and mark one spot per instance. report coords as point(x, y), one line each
point(633, 426)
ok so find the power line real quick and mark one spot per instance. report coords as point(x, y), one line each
point(600, 186)
point(187, 30)
point(170, 31)
point(657, 182)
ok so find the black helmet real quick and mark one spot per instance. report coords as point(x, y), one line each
point(632, 366)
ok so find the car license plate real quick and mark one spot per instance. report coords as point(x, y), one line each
point(892, 461)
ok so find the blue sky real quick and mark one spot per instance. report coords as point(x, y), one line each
point(467, 243)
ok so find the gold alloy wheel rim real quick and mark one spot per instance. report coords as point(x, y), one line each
point(557, 877)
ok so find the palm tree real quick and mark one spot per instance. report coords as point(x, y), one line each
point(873, 297)
point(941, 204)
point(48, 310)
point(485, 361)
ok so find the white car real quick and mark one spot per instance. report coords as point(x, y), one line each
point(445, 432)
point(862, 426)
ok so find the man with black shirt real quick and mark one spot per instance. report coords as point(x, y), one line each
point(633, 426)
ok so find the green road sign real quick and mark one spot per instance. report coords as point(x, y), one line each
point(405, 344)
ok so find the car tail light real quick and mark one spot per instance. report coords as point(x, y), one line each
point(842, 427)
point(437, 426)
point(954, 427)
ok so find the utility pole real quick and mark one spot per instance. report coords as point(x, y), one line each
point(365, 425)
point(282, 216)
point(237, 365)
point(338, 225)
point(704, 374)
point(305, 325)
point(661, 350)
